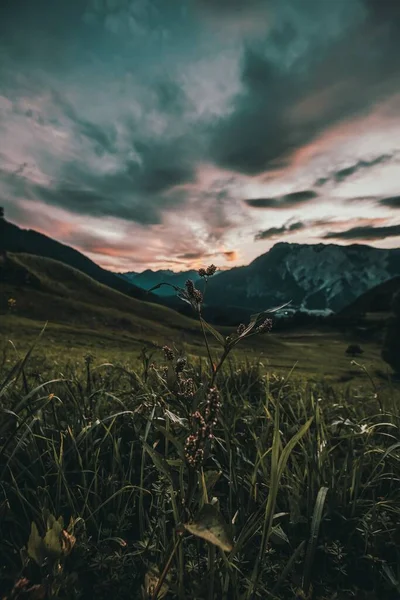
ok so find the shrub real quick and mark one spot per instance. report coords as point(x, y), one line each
point(354, 350)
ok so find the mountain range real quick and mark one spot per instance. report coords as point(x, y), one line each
point(316, 278)
point(148, 278)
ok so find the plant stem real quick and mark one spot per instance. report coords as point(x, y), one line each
point(207, 346)
point(166, 568)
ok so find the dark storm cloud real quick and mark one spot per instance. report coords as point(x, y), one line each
point(171, 97)
point(273, 232)
point(101, 136)
point(283, 108)
point(361, 165)
point(229, 6)
point(287, 201)
point(129, 194)
point(191, 255)
point(368, 232)
point(392, 202)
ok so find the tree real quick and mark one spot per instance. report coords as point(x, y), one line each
point(354, 350)
point(391, 342)
point(1, 212)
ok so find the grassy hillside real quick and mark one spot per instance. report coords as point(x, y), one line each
point(87, 317)
point(84, 315)
point(47, 290)
point(162, 482)
point(17, 240)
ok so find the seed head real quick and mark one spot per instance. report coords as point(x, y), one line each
point(180, 364)
point(202, 273)
point(211, 270)
point(186, 389)
point(169, 354)
point(190, 287)
point(265, 326)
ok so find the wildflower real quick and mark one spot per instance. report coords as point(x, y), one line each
point(193, 293)
point(203, 425)
point(207, 272)
point(211, 270)
point(265, 326)
point(12, 303)
point(180, 364)
point(186, 389)
point(241, 328)
point(169, 354)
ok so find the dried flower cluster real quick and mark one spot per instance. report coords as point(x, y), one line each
point(203, 426)
point(186, 389)
point(241, 328)
point(168, 353)
point(265, 326)
point(193, 292)
point(180, 364)
point(207, 272)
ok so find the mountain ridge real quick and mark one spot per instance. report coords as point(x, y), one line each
point(18, 240)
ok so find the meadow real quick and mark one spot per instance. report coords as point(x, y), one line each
point(136, 467)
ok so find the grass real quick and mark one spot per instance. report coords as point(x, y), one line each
point(307, 488)
point(153, 476)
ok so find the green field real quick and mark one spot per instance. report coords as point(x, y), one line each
point(141, 475)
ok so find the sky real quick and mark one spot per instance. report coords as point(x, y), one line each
point(176, 133)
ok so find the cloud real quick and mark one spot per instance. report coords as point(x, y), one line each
point(365, 233)
point(343, 174)
point(159, 118)
point(285, 105)
point(230, 255)
point(229, 6)
point(288, 201)
point(391, 202)
point(274, 232)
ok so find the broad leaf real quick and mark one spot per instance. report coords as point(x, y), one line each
point(210, 526)
point(150, 583)
point(35, 546)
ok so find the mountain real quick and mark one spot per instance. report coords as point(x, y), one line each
point(376, 300)
point(315, 277)
point(46, 289)
point(83, 313)
point(15, 239)
point(147, 279)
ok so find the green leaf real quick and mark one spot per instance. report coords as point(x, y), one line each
point(211, 478)
point(279, 537)
point(35, 546)
point(312, 544)
point(220, 338)
point(210, 526)
point(156, 287)
point(52, 542)
point(159, 462)
point(150, 583)
point(269, 311)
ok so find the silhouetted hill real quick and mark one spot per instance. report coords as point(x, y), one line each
point(15, 239)
point(46, 289)
point(376, 300)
